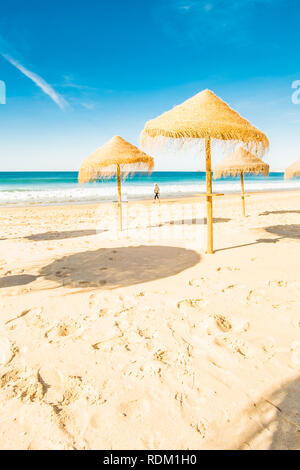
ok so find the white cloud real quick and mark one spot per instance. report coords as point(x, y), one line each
point(88, 105)
point(39, 81)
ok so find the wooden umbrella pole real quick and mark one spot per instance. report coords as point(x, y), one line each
point(243, 193)
point(209, 196)
point(119, 196)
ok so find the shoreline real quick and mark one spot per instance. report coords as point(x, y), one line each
point(183, 198)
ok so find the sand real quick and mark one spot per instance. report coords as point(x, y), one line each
point(149, 343)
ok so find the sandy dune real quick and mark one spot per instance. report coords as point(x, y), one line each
point(150, 344)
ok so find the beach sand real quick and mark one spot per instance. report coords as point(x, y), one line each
point(149, 343)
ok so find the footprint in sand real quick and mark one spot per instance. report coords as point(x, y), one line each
point(72, 389)
point(232, 344)
point(256, 296)
point(128, 302)
point(140, 294)
point(268, 345)
point(52, 382)
point(200, 428)
point(59, 389)
point(188, 305)
point(109, 305)
point(35, 319)
point(277, 283)
point(229, 268)
point(229, 287)
point(6, 351)
point(197, 282)
point(223, 323)
point(62, 329)
point(238, 325)
point(22, 384)
point(135, 409)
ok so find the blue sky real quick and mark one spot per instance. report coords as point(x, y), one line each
point(77, 73)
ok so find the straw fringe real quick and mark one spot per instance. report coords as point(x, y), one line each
point(205, 115)
point(293, 170)
point(103, 163)
point(196, 146)
point(93, 173)
point(240, 161)
point(237, 172)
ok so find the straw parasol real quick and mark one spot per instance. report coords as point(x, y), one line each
point(293, 170)
point(239, 163)
point(205, 116)
point(116, 157)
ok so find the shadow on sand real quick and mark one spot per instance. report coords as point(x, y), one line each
point(189, 222)
point(285, 231)
point(216, 220)
point(60, 235)
point(259, 240)
point(291, 231)
point(280, 212)
point(275, 419)
point(119, 267)
point(17, 280)
point(83, 233)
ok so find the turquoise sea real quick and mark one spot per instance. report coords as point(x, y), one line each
point(52, 187)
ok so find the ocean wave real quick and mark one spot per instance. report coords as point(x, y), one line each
point(107, 192)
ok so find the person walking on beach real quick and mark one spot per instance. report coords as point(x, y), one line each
point(156, 192)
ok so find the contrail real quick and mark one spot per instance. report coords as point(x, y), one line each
point(39, 81)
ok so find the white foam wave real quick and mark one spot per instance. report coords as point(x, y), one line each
point(108, 192)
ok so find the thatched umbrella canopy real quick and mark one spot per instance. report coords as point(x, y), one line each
point(205, 116)
point(116, 157)
point(293, 170)
point(238, 163)
point(116, 153)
